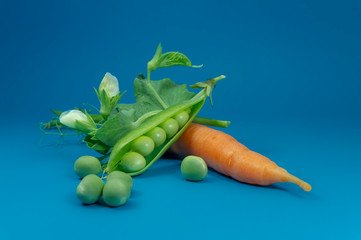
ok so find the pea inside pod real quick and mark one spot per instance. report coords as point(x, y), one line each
point(158, 135)
point(182, 118)
point(143, 145)
point(132, 162)
point(170, 127)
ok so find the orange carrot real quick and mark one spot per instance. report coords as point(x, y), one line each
point(226, 155)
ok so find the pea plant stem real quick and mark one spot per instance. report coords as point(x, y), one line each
point(160, 100)
point(216, 79)
point(211, 122)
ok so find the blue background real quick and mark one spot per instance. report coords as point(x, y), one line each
point(292, 93)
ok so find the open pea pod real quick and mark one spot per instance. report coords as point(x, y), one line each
point(124, 144)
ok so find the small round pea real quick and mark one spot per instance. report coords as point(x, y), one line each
point(182, 118)
point(143, 145)
point(170, 127)
point(158, 135)
point(87, 165)
point(90, 189)
point(121, 176)
point(194, 168)
point(115, 193)
point(132, 162)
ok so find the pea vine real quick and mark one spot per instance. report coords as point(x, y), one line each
point(101, 128)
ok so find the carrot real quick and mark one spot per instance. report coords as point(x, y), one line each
point(226, 155)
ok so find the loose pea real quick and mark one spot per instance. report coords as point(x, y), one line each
point(182, 118)
point(121, 176)
point(90, 189)
point(87, 165)
point(194, 168)
point(115, 193)
point(158, 135)
point(143, 145)
point(132, 162)
point(170, 127)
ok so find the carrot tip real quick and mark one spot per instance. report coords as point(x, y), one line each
point(305, 186)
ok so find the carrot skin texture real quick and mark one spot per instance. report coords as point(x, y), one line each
point(226, 155)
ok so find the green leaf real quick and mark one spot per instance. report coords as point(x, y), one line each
point(163, 93)
point(96, 91)
point(90, 119)
point(151, 98)
point(152, 64)
point(96, 145)
point(169, 59)
point(58, 113)
point(128, 117)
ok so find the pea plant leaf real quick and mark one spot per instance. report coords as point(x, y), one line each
point(124, 118)
point(151, 98)
point(169, 59)
point(163, 93)
point(96, 145)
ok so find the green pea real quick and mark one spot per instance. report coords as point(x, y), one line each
point(87, 165)
point(115, 193)
point(121, 176)
point(182, 118)
point(143, 145)
point(90, 189)
point(194, 168)
point(132, 162)
point(170, 127)
point(158, 135)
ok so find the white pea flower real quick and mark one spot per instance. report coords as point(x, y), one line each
point(77, 120)
point(110, 85)
point(108, 94)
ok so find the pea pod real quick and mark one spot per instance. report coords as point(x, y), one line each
point(124, 144)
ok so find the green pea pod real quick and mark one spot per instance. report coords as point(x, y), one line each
point(123, 145)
